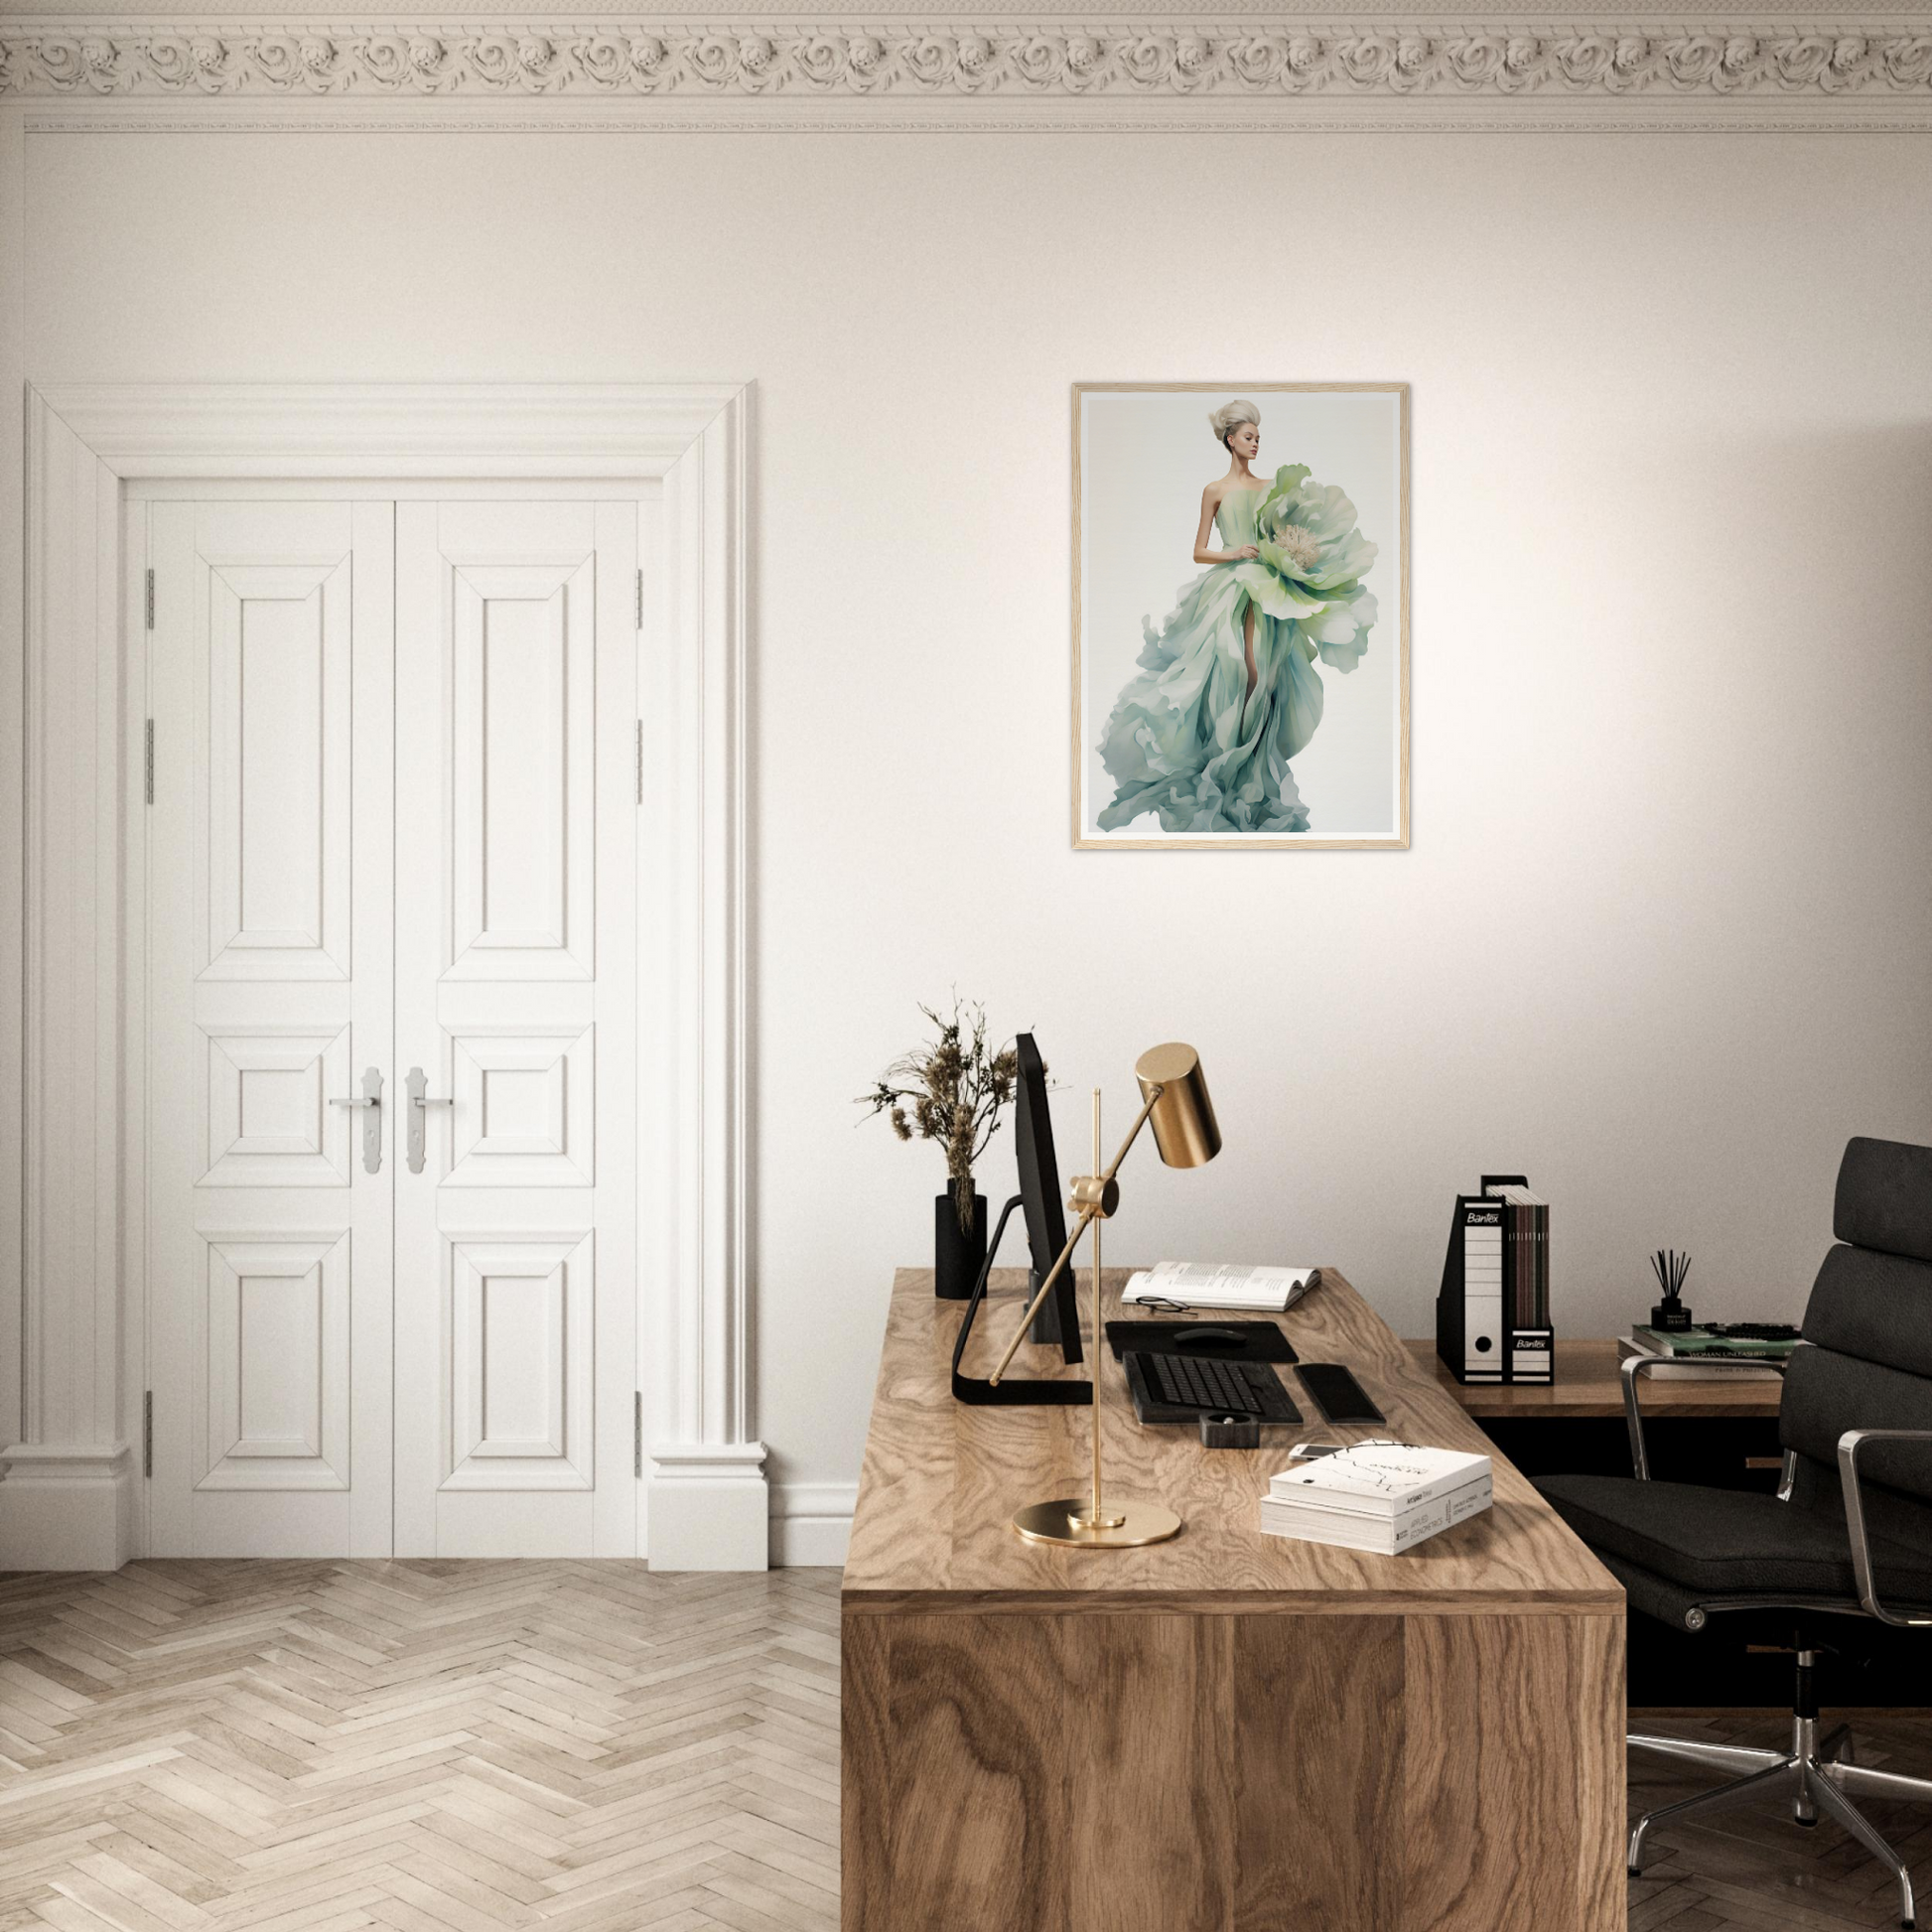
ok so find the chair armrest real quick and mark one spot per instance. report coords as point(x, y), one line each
point(1635, 1365)
point(1848, 1446)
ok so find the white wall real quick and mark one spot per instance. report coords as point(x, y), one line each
point(1662, 938)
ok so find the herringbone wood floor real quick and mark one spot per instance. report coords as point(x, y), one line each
point(321, 1747)
point(570, 1746)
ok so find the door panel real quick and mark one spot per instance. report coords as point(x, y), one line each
point(278, 1363)
point(522, 1330)
point(522, 771)
point(278, 788)
point(270, 993)
point(515, 1242)
point(267, 1093)
point(525, 1107)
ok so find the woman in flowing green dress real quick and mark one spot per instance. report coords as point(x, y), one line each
point(1227, 691)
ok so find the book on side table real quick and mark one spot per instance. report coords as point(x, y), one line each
point(1380, 1496)
point(1691, 1354)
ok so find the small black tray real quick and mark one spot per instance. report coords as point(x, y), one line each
point(1209, 1340)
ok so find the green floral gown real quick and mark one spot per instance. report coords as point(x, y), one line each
point(1187, 740)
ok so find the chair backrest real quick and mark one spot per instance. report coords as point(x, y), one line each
point(1869, 1326)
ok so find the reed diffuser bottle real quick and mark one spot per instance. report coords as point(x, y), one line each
point(1670, 1314)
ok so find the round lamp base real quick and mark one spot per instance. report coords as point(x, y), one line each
point(1063, 1521)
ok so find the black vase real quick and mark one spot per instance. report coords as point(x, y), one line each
point(958, 1258)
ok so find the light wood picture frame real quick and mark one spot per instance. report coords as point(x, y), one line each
point(1205, 676)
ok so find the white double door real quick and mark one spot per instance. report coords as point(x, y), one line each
point(390, 860)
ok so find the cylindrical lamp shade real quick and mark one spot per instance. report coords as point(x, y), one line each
point(1184, 1128)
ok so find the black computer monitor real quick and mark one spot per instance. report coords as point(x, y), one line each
point(1039, 1193)
point(1039, 1199)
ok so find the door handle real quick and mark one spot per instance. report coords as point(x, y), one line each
point(370, 1098)
point(417, 1081)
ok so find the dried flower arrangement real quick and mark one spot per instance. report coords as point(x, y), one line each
point(950, 1091)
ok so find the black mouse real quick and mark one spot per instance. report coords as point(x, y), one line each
point(1209, 1337)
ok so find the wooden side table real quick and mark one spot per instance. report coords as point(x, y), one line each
point(1589, 1386)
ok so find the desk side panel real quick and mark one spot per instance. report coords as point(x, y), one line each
point(1317, 1745)
point(1513, 1774)
point(865, 1772)
point(1151, 1781)
point(1160, 1773)
point(957, 1776)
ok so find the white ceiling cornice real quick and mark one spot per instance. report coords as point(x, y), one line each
point(1181, 70)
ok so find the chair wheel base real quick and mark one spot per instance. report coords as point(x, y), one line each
point(1807, 1822)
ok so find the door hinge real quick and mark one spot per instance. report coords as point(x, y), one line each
point(147, 1433)
point(640, 760)
point(148, 762)
point(150, 600)
point(637, 1434)
point(641, 596)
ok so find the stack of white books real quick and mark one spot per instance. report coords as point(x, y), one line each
point(1381, 1496)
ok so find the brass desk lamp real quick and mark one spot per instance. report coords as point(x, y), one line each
point(1174, 1097)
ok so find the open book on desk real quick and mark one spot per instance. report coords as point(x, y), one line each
point(1211, 1285)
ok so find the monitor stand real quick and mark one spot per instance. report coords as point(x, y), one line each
point(1010, 1391)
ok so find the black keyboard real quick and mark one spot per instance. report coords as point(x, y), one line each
point(1207, 1387)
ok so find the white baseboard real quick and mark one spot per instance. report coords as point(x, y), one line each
point(72, 1508)
point(66, 1506)
point(811, 1523)
point(710, 1507)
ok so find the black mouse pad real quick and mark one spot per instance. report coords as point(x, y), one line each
point(1216, 1342)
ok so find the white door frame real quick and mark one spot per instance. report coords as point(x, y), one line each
point(71, 1451)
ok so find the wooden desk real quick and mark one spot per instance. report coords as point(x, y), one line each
point(1588, 1385)
point(1228, 1732)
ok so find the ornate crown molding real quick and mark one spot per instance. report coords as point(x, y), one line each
point(1249, 63)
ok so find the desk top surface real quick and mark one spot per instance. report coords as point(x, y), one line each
point(941, 1480)
point(1588, 1385)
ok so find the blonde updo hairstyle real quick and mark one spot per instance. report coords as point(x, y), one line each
point(1229, 417)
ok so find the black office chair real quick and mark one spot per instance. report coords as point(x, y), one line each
point(1849, 1535)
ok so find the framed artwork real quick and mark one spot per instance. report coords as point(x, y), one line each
point(1240, 616)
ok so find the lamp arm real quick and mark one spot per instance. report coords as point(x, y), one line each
point(1134, 1133)
point(1088, 1215)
